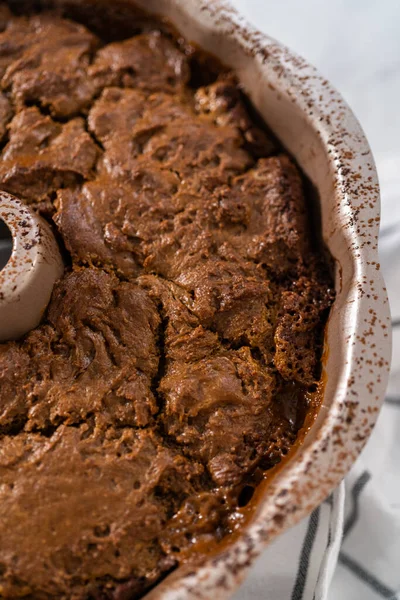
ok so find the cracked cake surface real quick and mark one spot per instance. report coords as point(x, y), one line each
point(181, 350)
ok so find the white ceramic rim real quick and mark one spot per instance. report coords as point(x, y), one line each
point(25, 232)
point(27, 279)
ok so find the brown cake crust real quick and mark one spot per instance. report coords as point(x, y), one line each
point(176, 359)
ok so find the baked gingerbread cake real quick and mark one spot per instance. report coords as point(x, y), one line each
point(181, 350)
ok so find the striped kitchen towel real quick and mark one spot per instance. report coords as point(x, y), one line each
point(299, 564)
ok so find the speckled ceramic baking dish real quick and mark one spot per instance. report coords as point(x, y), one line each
point(318, 128)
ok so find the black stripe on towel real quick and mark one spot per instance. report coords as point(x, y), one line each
point(394, 400)
point(358, 487)
point(395, 323)
point(365, 576)
point(329, 500)
point(302, 571)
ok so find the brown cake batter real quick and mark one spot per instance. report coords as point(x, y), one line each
point(173, 365)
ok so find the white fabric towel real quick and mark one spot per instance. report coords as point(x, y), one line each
point(300, 563)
